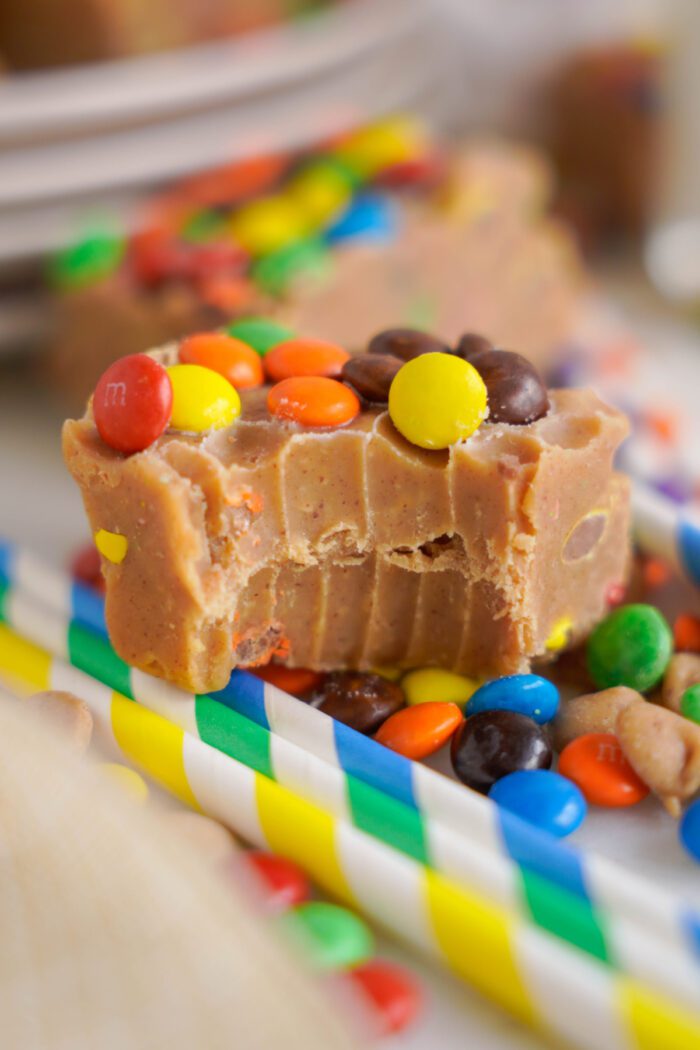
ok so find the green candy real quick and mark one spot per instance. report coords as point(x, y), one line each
point(202, 226)
point(274, 272)
point(259, 333)
point(690, 703)
point(332, 938)
point(632, 646)
point(88, 261)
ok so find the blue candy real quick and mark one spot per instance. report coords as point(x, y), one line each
point(690, 830)
point(371, 217)
point(528, 694)
point(545, 799)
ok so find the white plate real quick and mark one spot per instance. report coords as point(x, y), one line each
point(69, 101)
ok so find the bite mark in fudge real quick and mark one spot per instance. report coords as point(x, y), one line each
point(350, 547)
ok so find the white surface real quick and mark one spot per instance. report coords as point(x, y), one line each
point(40, 507)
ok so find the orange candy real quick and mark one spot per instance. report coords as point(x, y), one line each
point(305, 357)
point(314, 401)
point(686, 633)
point(230, 357)
point(294, 680)
point(595, 763)
point(419, 731)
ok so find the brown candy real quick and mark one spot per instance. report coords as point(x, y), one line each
point(664, 750)
point(592, 713)
point(371, 375)
point(516, 392)
point(406, 343)
point(683, 671)
point(471, 345)
point(361, 701)
point(66, 713)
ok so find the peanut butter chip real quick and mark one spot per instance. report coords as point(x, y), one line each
point(683, 671)
point(664, 750)
point(592, 713)
point(585, 535)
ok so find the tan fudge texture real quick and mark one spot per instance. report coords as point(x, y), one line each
point(351, 548)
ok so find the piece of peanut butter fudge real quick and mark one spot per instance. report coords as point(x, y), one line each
point(413, 505)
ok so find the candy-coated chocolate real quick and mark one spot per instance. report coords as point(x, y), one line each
point(222, 353)
point(381, 145)
point(202, 399)
point(493, 744)
point(264, 225)
point(127, 780)
point(690, 703)
point(528, 694)
point(294, 680)
point(305, 357)
point(559, 635)
point(471, 345)
point(436, 400)
point(516, 392)
point(371, 217)
point(360, 700)
point(283, 882)
point(259, 332)
point(632, 646)
point(543, 798)
point(90, 260)
point(433, 685)
point(313, 401)
point(686, 633)
point(331, 937)
point(393, 993)
point(690, 830)
point(406, 343)
point(596, 763)
point(132, 403)
point(111, 545)
point(321, 191)
point(273, 273)
point(419, 731)
point(371, 375)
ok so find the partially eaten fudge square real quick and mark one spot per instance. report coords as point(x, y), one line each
point(413, 505)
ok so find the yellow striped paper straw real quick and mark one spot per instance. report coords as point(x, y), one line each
point(534, 977)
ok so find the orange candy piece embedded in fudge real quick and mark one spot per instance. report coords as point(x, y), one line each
point(230, 357)
point(294, 680)
point(596, 763)
point(417, 732)
point(314, 401)
point(305, 357)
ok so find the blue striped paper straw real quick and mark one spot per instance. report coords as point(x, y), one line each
point(668, 531)
point(603, 885)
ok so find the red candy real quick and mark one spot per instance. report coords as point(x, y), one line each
point(294, 680)
point(686, 633)
point(595, 763)
point(132, 403)
point(284, 883)
point(394, 995)
point(85, 567)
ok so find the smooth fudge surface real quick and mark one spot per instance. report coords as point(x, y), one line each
point(350, 547)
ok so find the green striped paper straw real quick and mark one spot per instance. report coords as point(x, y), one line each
point(547, 905)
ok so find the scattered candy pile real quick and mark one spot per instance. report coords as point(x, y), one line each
point(332, 939)
point(257, 223)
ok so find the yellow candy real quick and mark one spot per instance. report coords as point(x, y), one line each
point(392, 141)
point(202, 399)
point(436, 400)
point(320, 192)
point(559, 635)
point(265, 225)
point(128, 780)
point(111, 545)
point(430, 684)
point(391, 673)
